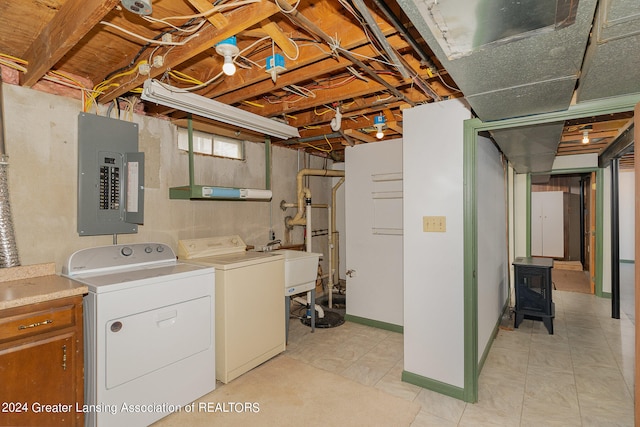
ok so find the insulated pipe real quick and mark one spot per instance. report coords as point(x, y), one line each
point(330, 279)
point(308, 224)
point(333, 245)
point(303, 192)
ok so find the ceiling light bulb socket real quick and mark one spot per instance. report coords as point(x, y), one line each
point(140, 7)
point(228, 48)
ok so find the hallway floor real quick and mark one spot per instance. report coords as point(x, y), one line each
point(580, 376)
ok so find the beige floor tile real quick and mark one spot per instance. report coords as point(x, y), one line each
point(441, 406)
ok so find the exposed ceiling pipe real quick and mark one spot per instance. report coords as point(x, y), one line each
point(377, 32)
point(311, 138)
point(407, 36)
point(304, 22)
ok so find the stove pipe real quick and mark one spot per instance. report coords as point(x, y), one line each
point(8, 250)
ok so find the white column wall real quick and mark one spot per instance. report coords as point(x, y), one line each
point(374, 290)
point(627, 215)
point(433, 262)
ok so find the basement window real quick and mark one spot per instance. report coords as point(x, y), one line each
point(211, 145)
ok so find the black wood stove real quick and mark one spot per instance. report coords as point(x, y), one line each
point(533, 290)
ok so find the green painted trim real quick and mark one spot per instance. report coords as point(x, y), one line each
point(616, 104)
point(627, 261)
point(374, 323)
point(434, 385)
point(267, 163)
point(599, 230)
point(471, 129)
point(605, 295)
point(470, 220)
point(494, 333)
point(528, 208)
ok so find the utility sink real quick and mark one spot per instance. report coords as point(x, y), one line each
point(300, 270)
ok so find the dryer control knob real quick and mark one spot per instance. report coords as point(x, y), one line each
point(126, 251)
point(148, 249)
point(160, 248)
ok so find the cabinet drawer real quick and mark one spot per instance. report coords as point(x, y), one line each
point(36, 321)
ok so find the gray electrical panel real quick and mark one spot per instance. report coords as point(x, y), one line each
point(110, 176)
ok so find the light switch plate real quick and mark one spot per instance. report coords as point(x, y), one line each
point(431, 224)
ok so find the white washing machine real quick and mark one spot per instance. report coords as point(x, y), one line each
point(249, 303)
point(149, 332)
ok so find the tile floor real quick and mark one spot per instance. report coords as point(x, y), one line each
point(580, 376)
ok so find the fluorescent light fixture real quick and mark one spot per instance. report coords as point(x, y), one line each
point(159, 93)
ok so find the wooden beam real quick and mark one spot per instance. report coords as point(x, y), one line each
point(217, 19)
point(356, 88)
point(355, 134)
point(276, 34)
point(69, 25)
point(317, 64)
point(239, 19)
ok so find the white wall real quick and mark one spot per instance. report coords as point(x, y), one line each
point(520, 215)
point(627, 214)
point(41, 141)
point(493, 261)
point(375, 289)
point(606, 231)
point(433, 262)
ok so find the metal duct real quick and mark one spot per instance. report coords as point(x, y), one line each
point(510, 58)
point(8, 249)
point(530, 148)
point(612, 64)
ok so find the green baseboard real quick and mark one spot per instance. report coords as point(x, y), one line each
point(433, 385)
point(627, 261)
point(374, 323)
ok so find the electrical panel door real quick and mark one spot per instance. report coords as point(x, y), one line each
point(110, 176)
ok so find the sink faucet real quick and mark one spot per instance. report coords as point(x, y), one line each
point(272, 243)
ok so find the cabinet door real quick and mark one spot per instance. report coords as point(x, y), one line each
point(547, 224)
point(36, 374)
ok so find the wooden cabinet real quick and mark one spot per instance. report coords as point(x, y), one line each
point(41, 364)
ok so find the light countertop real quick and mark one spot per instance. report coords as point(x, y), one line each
point(33, 284)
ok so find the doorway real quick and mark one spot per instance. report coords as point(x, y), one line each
point(563, 224)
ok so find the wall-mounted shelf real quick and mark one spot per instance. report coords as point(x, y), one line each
point(193, 191)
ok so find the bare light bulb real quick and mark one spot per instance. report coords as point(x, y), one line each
point(228, 48)
point(228, 67)
point(585, 137)
point(378, 122)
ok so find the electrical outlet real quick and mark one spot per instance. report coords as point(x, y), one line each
point(432, 224)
